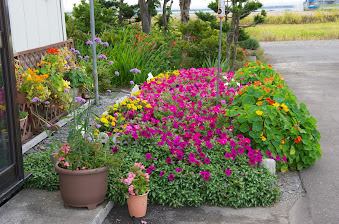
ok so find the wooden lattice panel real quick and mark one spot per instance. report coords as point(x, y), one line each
point(29, 59)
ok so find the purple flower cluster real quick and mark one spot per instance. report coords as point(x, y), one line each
point(102, 56)
point(135, 70)
point(80, 100)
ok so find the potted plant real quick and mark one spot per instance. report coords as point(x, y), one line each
point(83, 163)
point(136, 182)
point(23, 118)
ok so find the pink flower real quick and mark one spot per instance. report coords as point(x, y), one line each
point(171, 177)
point(207, 160)
point(152, 167)
point(162, 173)
point(168, 160)
point(178, 170)
point(206, 178)
point(148, 156)
point(228, 172)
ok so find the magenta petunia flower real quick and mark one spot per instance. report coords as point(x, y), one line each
point(115, 149)
point(269, 153)
point(285, 159)
point(148, 156)
point(241, 150)
point(202, 155)
point(148, 170)
point(212, 125)
point(206, 178)
point(168, 160)
point(152, 167)
point(171, 177)
point(252, 161)
point(277, 158)
point(178, 170)
point(228, 155)
point(223, 101)
point(228, 172)
point(232, 143)
point(162, 173)
point(207, 160)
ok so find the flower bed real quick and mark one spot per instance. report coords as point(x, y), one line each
point(187, 144)
point(268, 112)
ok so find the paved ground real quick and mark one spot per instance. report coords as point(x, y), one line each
point(311, 69)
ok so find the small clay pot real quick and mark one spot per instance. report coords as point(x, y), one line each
point(23, 122)
point(82, 188)
point(137, 205)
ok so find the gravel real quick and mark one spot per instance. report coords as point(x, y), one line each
point(106, 100)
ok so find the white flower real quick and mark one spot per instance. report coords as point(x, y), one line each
point(135, 89)
point(150, 76)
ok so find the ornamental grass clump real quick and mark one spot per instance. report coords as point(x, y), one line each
point(187, 143)
point(268, 113)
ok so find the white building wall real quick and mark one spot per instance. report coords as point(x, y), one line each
point(36, 23)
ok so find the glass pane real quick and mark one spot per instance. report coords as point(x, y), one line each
point(5, 153)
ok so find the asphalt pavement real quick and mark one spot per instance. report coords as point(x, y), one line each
point(311, 69)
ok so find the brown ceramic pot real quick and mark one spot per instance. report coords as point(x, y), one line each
point(23, 122)
point(82, 188)
point(137, 205)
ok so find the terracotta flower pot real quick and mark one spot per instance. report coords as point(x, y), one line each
point(23, 122)
point(82, 188)
point(137, 205)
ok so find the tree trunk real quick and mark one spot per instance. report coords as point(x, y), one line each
point(145, 15)
point(235, 39)
point(120, 11)
point(184, 10)
point(164, 18)
point(230, 39)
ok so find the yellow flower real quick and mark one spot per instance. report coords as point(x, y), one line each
point(122, 118)
point(260, 98)
point(259, 112)
point(149, 106)
point(139, 107)
point(276, 104)
point(263, 138)
point(115, 105)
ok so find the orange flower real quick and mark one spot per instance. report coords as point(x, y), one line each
point(257, 83)
point(258, 62)
point(240, 73)
point(153, 42)
point(246, 64)
point(146, 43)
point(52, 51)
point(152, 48)
point(279, 86)
point(259, 103)
point(168, 53)
point(135, 44)
point(270, 66)
point(268, 90)
point(174, 43)
point(241, 93)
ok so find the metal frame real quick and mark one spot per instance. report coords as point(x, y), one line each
point(13, 176)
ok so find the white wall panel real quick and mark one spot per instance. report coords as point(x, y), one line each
point(36, 23)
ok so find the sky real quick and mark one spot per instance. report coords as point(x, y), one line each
point(196, 4)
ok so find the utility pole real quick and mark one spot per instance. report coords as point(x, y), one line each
point(94, 54)
point(221, 15)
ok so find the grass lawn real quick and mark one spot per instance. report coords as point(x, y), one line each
point(290, 32)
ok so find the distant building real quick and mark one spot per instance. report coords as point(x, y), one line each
point(315, 4)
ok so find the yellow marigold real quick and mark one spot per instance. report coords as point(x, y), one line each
point(149, 106)
point(122, 118)
point(104, 120)
point(115, 105)
point(276, 104)
point(259, 112)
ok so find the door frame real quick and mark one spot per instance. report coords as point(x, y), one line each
point(13, 176)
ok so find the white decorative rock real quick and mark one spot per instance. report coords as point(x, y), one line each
point(270, 164)
point(103, 137)
point(135, 89)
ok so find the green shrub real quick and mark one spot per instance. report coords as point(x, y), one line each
point(206, 16)
point(240, 189)
point(43, 174)
point(250, 43)
point(269, 113)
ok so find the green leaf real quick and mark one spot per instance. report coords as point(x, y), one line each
point(257, 126)
point(278, 98)
point(248, 100)
point(300, 166)
point(292, 150)
point(284, 168)
point(244, 128)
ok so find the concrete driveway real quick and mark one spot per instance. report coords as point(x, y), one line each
point(311, 69)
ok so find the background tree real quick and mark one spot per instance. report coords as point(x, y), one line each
point(166, 13)
point(147, 10)
point(185, 6)
point(239, 9)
